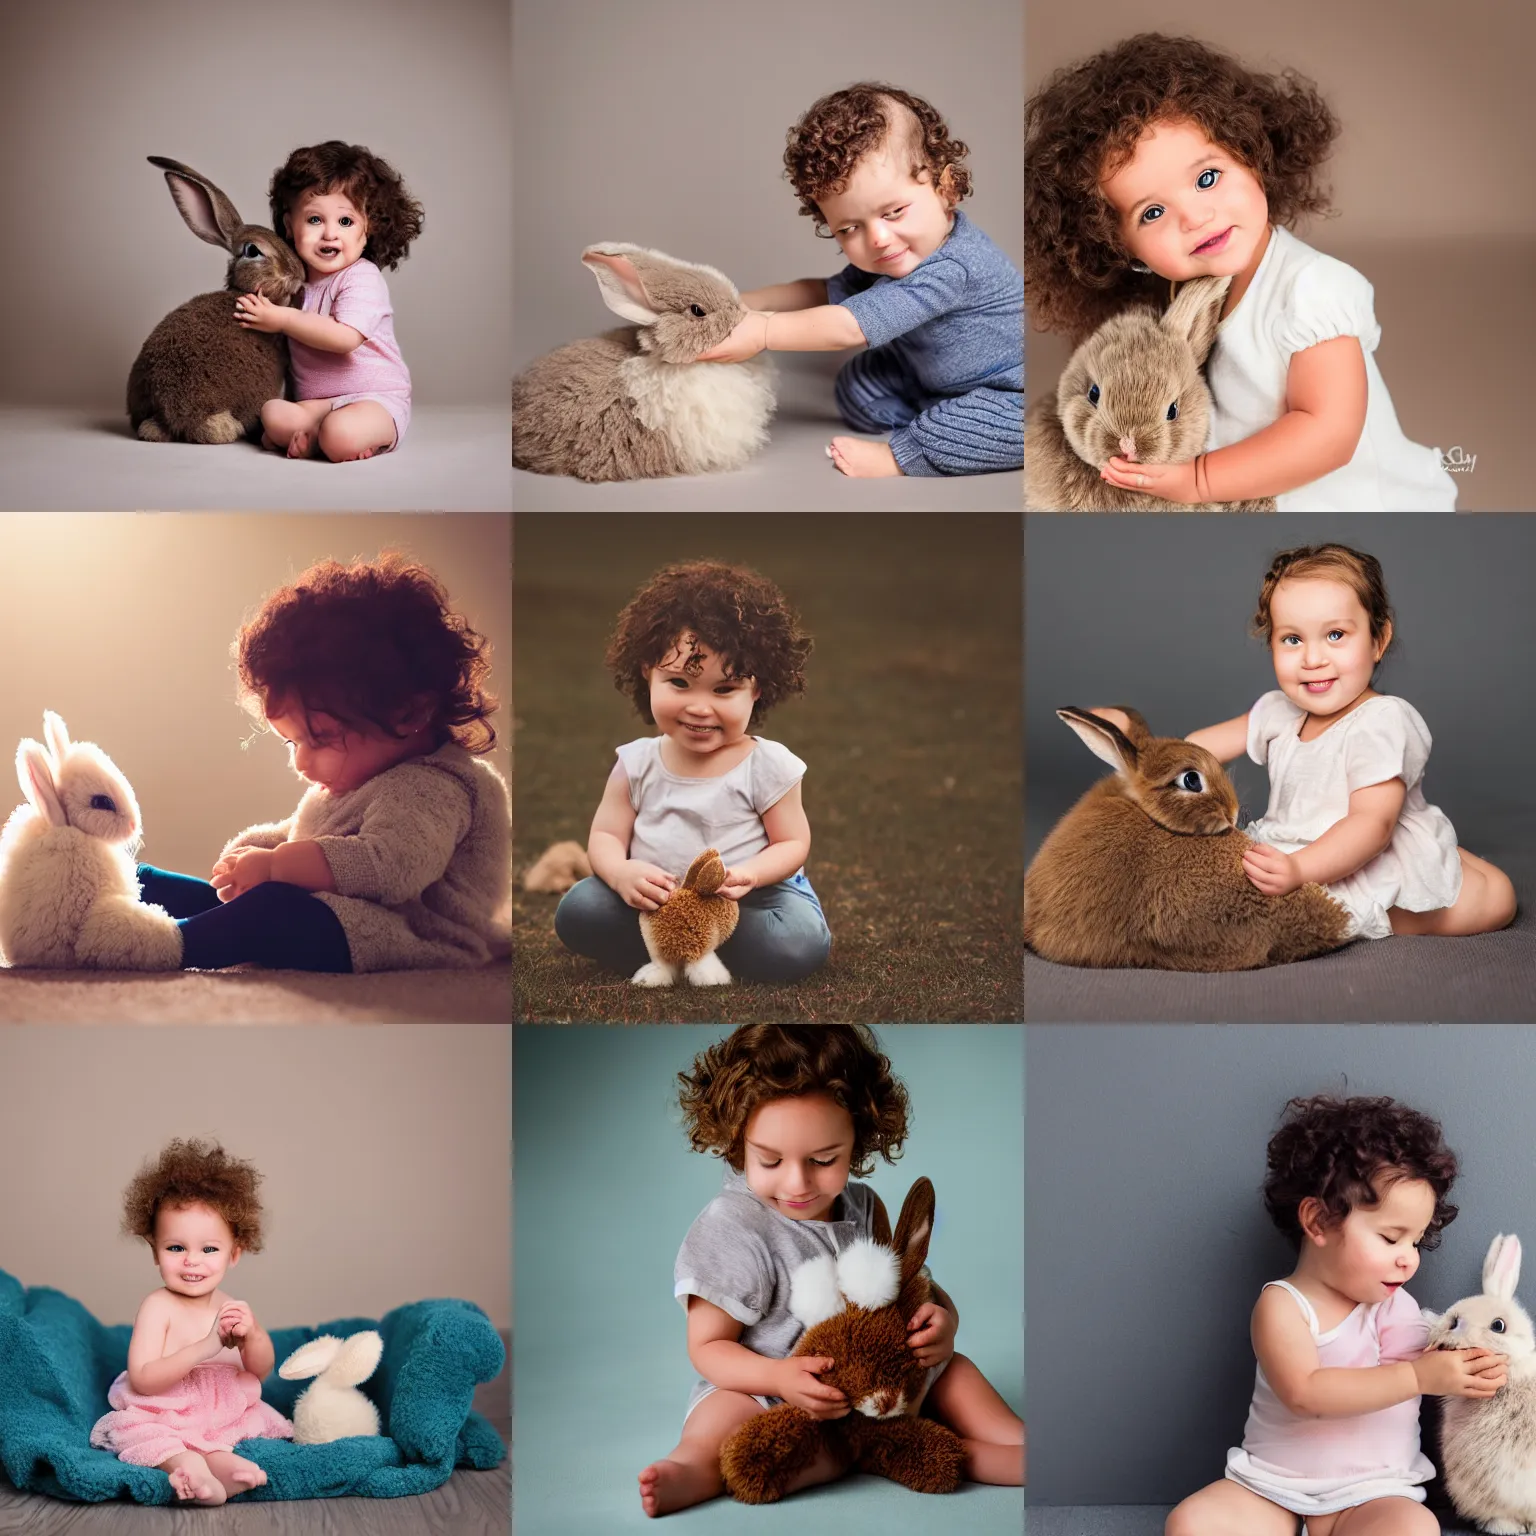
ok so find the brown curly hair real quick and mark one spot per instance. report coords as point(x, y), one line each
point(760, 1062)
point(1347, 1153)
point(841, 129)
point(740, 616)
point(1360, 572)
point(373, 185)
point(1082, 126)
point(367, 643)
point(196, 1173)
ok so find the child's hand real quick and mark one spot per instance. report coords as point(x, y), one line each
point(256, 312)
point(241, 871)
point(735, 885)
point(643, 886)
point(1461, 1372)
point(236, 1323)
point(747, 340)
point(1274, 873)
point(931, 1334)
point(1173, 482)
point(795, 1382)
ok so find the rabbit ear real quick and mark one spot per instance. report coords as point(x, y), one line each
point(1196, 312)
point(1501, 1268)
point(34, 768)
point(55, 734)
point(1102, 737)
point(914, 1227)
point(209, 214)
point(620, 284)
point(705, 873)
point(310, 1359)
point(357, 1359)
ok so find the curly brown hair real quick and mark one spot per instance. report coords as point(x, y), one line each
point(740, 616)
point(841, 129)
point(1358, 571)
point(368, 643)
point(1083, 125)
point(760, 1062)
point(196, 1173)
point(373, 185)
point(1346, 1152)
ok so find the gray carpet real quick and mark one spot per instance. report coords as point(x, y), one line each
point(453, 459)
point(792, 473)
point(1135, 1520)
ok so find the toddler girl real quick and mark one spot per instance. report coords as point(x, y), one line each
point(794, 1110)
point(192, 1390)
point(939, 304)
point(399, 854)
point(1358, 1186)
point(347, 213)
point(1161, 160)
point(703, 650)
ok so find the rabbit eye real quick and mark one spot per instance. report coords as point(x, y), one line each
point(1496, 1326)
point(1190, 780)
point(102, 803)
point(1173, 411)
point(250, 250)
point(697, 309)
point(1093, 394)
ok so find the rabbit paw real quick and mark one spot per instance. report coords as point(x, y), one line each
point(709, 972)
point(654, 975)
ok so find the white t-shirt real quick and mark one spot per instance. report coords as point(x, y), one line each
point(1310, 783)
point(1298, 298)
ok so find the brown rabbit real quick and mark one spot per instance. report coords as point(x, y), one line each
point(1133, 389)
point(683, 933)
point(1147, 868)
point(855, 1309)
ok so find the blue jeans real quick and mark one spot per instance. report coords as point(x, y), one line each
point(274, 924)
point(781, 933)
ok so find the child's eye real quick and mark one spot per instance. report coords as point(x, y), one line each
point(1202, 183)
point(826, 1164)
point(1333, 632)
point(346, 218)
point(1148, 213)
point(1286, 639)
point(173, 1247)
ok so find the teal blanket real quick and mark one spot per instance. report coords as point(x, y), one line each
point(57, 1361)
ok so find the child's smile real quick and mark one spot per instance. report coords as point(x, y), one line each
point(885, 221)
point(328, 232)
point(193, 1249)
point(1321, 646)
point(697, 707)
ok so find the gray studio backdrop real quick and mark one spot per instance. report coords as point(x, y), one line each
point(664, 124)
point(1148, 1241)
point(1154, 612)
point(95, 251)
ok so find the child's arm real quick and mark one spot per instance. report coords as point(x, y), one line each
point(720, 1359)
point(803, 293)
point(826, 328)
point(643, 886)
point(256, 312)
point(149, 1372)
point(789, 841)
point(248, 1336)
point(1345, 847)
point(1227, 741)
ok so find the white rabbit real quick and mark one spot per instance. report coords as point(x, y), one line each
point(331, 1408)
point(69, 894)
point(1488, 1445)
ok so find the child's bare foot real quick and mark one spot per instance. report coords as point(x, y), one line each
point(861, 460)
point(667, 1485)
point(236, 1473)
point(270, 445)
point(193, 1482)
point(301, 444)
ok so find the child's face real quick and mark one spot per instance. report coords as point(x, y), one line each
point(1321, 644)
point(700, 711)
point(797, 1154)
point(884, 220)
point(1177, 192)
point(194, 1249)
point(340, 758)
point(328, 231)
point(1374, 1251)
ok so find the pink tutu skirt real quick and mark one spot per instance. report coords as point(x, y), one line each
point(209, 1409)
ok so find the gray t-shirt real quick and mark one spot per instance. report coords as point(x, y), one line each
point(677, 818)
point(739, 1254)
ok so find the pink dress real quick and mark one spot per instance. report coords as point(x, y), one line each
point(1316, 1466)
point(357, 296)
point(211, 1408)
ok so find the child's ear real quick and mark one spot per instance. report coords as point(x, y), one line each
point(234, 1255)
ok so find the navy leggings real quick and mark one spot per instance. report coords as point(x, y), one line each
point(273, 924)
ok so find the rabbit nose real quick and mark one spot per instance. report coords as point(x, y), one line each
point(1128, 447)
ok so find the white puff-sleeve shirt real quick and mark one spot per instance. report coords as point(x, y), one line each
point(1310, 783)
point(1298, 298)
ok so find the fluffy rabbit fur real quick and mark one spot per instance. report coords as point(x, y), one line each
point(1147, 868)
point(201, 377)
point(558, 868)
point(1142, 367)
point(1488, 1445)
point(633, 404)
point(69, 895)
point(331, 1407)
point(683, 933)
point(856, 1309)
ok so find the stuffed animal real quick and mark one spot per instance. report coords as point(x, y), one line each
point(683, 933)
point(855, 1309)
point(69, 891)
point(331, 1407)
point(633, 404)
point(1134, 390)
point(1488, 1445)
point(1147, 868)
point(558, 868)
point(202, 377)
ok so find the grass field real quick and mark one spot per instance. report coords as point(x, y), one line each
point(910, 724)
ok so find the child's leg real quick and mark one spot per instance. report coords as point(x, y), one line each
point(1377, 1517)
point(273, 924)
point(235, 1473)
point(356, 431)
point(180, 895)
point(979, 433)
point(962, 1398)
point(873, 392)
point(593, 920)
point(192, 1479)
point(1486, 903)
point(1226, 1508)
point(288, 426)
point(780, 935)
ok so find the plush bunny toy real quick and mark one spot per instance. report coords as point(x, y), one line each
point(69, 893)
point(683, 933)
point(331, 1407)
point(855, 1310)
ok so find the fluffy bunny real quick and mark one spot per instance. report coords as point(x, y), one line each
point(1133, 389)
point(633, 404)
point(1488, 1445)
point(1147, 868)
point(69, 894)
point(201, 377)
point(855, 1310)
point(683, 933)
point(558, 868)
point(331, 1407)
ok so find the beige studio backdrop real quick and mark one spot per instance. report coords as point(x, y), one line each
point(1432, 174)
point(122, 622)
point(385, 1156)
